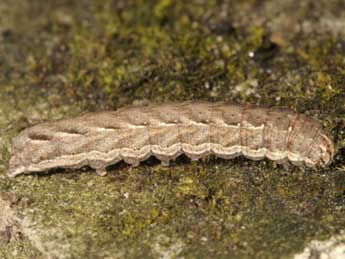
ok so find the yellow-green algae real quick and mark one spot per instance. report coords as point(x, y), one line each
point(60, 58)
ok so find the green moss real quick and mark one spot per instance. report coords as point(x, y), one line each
point(62, 59)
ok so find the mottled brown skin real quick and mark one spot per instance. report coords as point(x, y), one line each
point(133, 134)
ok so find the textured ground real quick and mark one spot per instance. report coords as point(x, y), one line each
point(62, 58)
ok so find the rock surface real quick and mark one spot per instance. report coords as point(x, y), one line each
point(62, 58)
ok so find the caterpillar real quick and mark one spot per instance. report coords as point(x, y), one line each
point(165, 131)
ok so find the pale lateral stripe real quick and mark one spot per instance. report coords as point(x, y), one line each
point(71, 161)
point(38, 140)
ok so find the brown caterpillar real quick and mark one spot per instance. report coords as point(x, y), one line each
point(133, 134)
